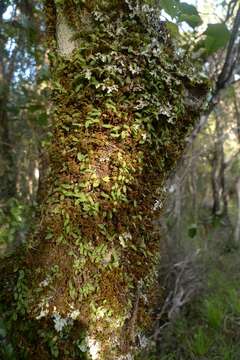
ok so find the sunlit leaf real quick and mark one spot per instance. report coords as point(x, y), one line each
point(188, 9)
point(191, 20)
point(217, 37)
point(170, 6)
point(173, 29)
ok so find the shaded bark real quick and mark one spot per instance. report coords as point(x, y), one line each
point(8, 169)
point(220, 194)
point(237, 114)
point(237, 226)
point(215, 164)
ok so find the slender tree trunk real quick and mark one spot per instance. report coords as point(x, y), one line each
point(220, 196)
point(222, 168)
point(7, 163)
point(216, 208)
point(224, 192)
point(178, 210)
point(193, 187)
point(8, 170)
point(88, 280)
point(237, 227)
point(237, 112)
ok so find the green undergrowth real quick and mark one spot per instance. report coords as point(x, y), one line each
point(14, 223)
point(209, 327)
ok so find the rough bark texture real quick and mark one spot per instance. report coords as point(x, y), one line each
point(237, 227)
point(122, 110)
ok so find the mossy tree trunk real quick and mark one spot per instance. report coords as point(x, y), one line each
point(123, 104)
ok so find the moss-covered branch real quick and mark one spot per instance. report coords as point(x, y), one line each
point(121, 114)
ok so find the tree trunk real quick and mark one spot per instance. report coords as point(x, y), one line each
point(216, 208)
point(237, 227)
point(224, 193)
point(121, 115)
point(220, 196)
point(7, 163)
point(237, 114)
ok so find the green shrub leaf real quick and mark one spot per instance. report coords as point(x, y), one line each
point(188, 9)
point(217, 37)
point(173, 29)
point(170, 6)
point(191, 20)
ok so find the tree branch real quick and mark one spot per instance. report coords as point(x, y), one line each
point(230, 59)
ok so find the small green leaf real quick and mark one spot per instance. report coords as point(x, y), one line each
point(106, 179)
point(49, 236)
point(90, 122)
point(81, 157)
point(78, 87)
point(170, 6)
point(81, 197)
point(67, 186)
point(82, 346)
point(187, 9)
point(218, 29)
point(96, 183)
point(107, 126)
point(191, 20)
point(217, 37)
point(172, 28)
point(114, 135)
point(189, 14)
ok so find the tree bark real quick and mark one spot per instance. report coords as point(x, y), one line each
point(7, 163)
point(215, 171)
point(237, 227)
point(220, 196)
point(121, 115)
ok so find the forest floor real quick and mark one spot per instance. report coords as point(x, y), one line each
point(208, 328)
